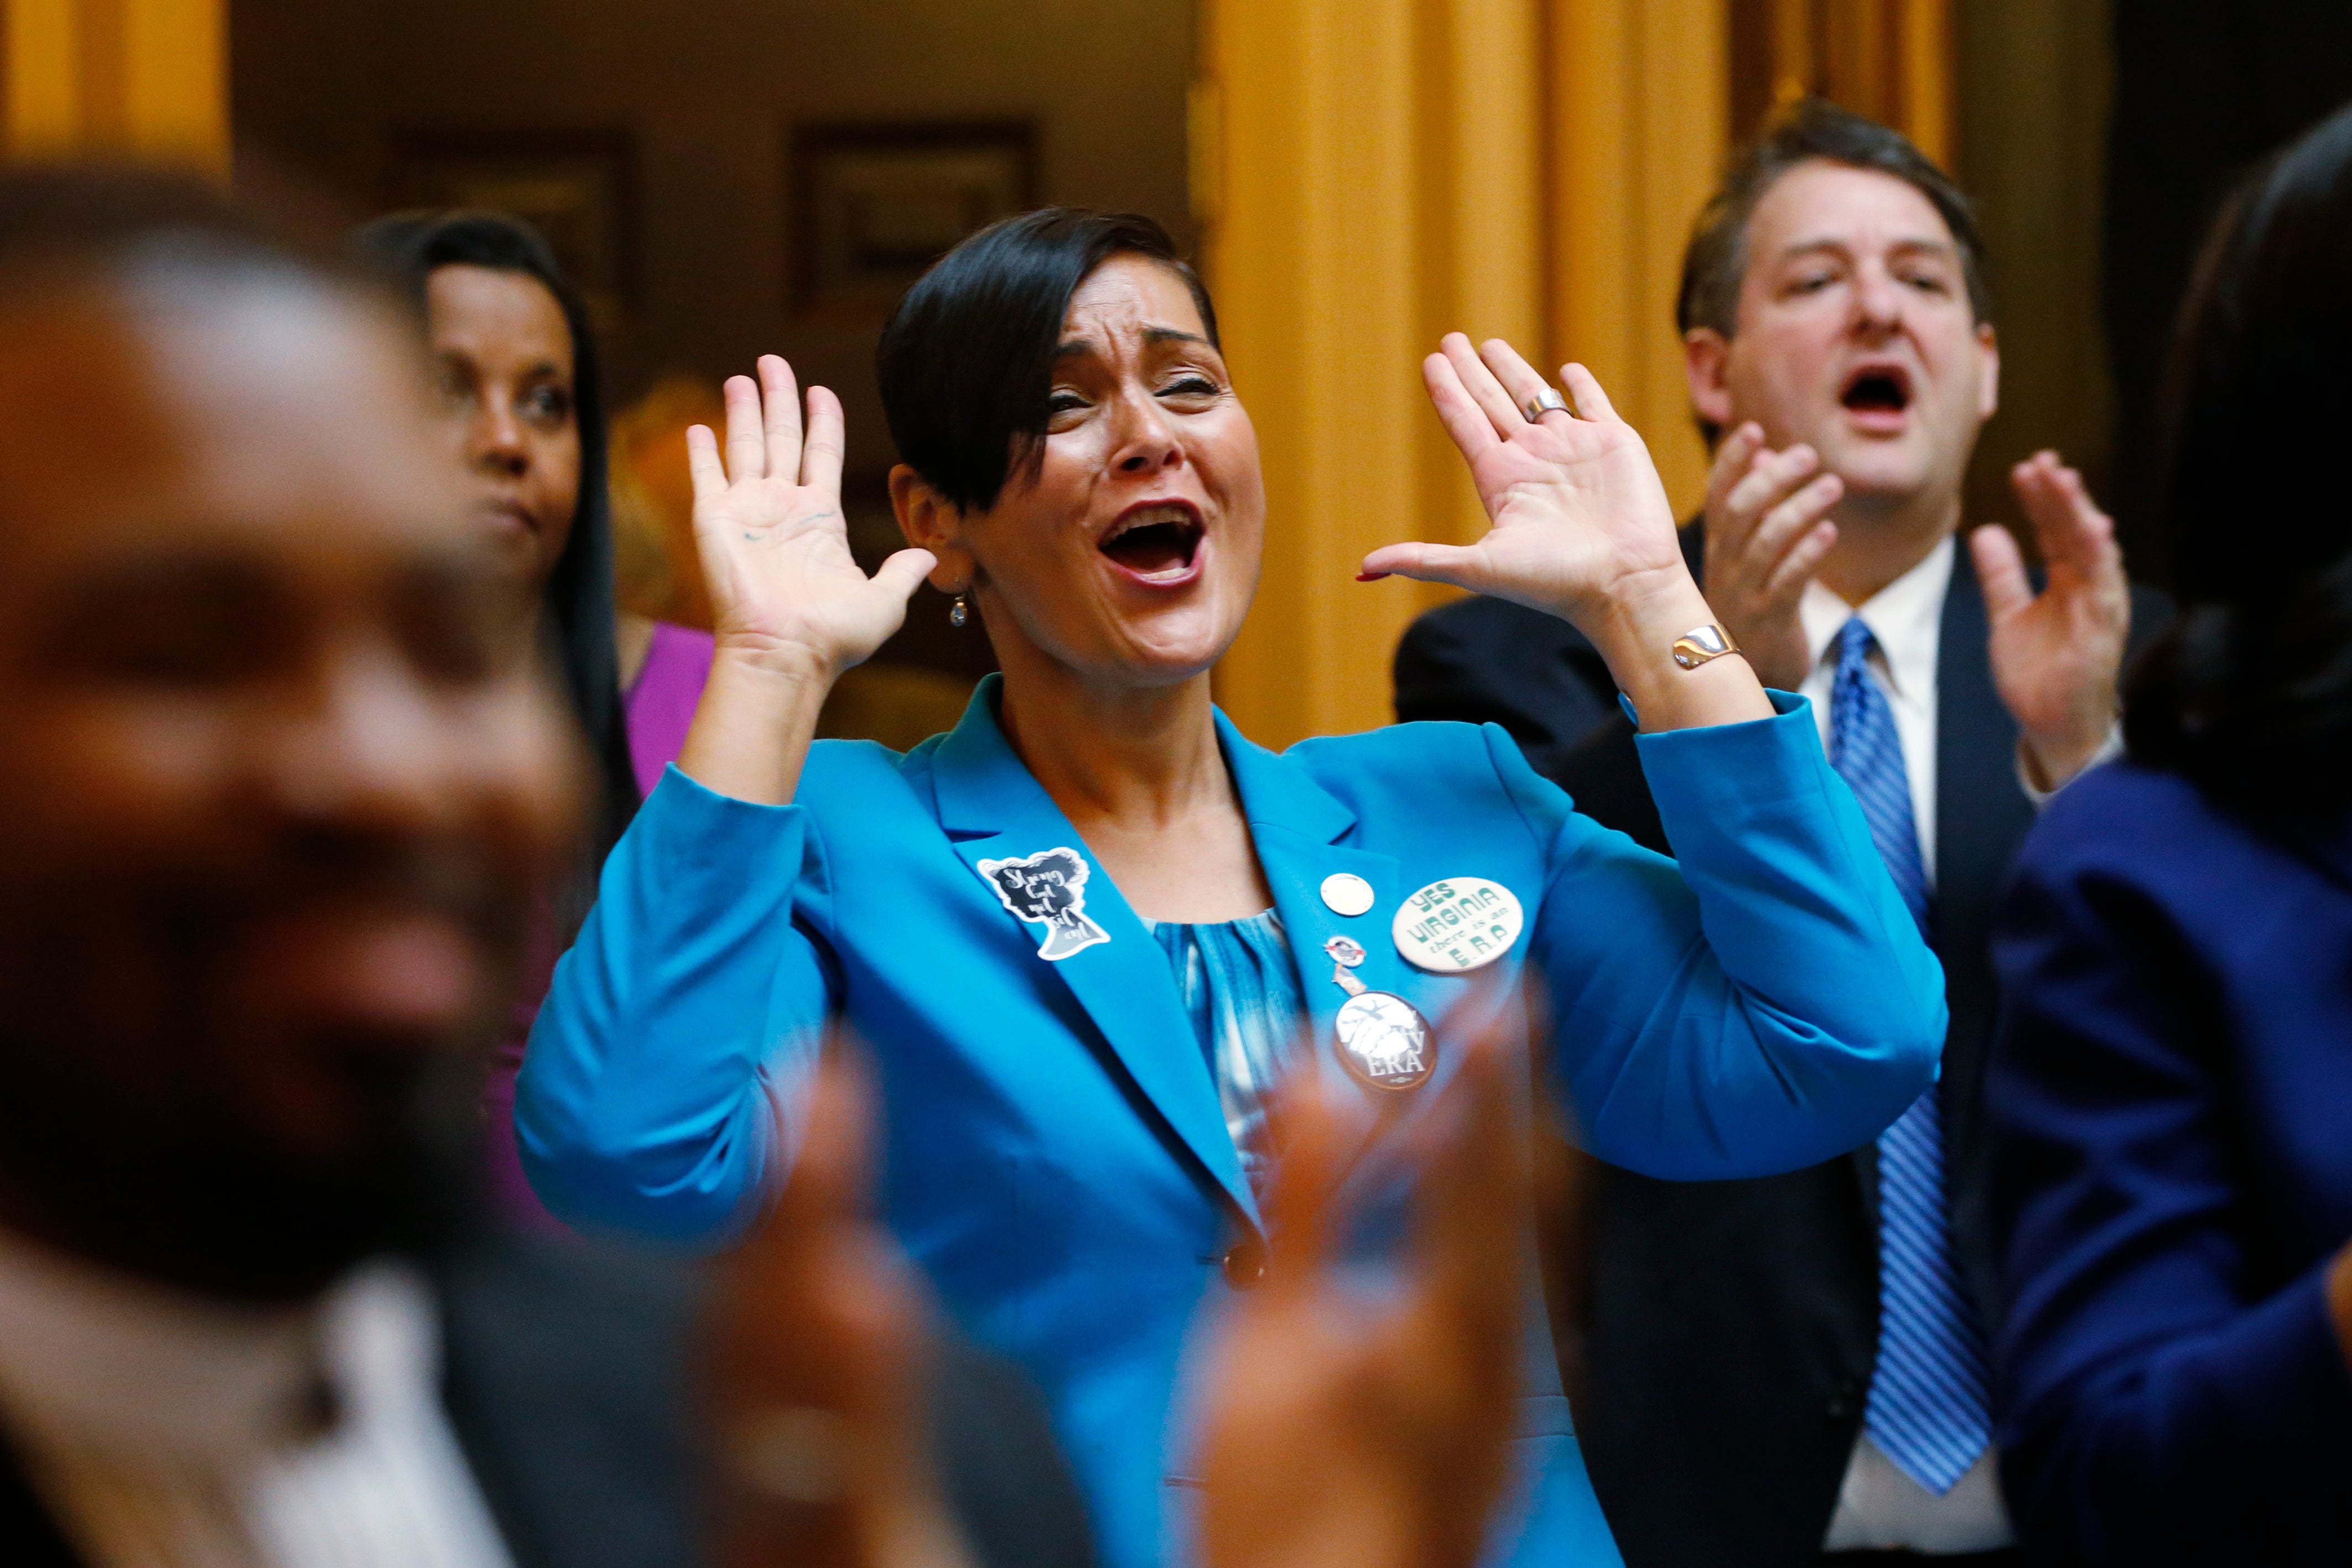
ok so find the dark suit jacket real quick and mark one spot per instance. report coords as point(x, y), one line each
point(1729, 1328)
point(2173, 1182)
point(566, 1381)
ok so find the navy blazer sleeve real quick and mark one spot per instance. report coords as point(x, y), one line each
point(2171, 1389)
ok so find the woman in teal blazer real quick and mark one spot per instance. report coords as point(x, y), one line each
point(1077, 930)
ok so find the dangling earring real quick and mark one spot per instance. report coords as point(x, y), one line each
point(958, 612)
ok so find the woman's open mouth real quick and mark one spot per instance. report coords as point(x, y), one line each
point(1157, 542)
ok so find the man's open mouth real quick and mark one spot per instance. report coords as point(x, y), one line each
point(1157, 542)
point(1877, 389)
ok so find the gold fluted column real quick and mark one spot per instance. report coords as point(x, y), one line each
point(1890, 59)
point(136, 77)
point(1641, 125)
point(1371, 174)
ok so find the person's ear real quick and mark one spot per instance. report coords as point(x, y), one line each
point(930, 522)
point(1989, 384)
point(1707, 365)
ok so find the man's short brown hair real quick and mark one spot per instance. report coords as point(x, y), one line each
point(1715, 263)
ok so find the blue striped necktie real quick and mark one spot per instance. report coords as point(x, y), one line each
point(1929, 1411)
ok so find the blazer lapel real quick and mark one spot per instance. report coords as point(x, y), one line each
point(1297, 825)
point(1981, 817)
point(994, 810)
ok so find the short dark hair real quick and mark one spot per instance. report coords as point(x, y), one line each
point(1715, 264)
point(966, 363)
point(2250, 692)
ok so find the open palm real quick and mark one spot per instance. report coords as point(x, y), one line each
point(2055, 654)
point(769, 526)
point(1577, 508)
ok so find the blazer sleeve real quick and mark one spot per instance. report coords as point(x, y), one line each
point(676, 1039)
point(2158, 1401)
point(1763, 1003)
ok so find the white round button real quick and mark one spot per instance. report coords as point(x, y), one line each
point(1457, 924)
point(1346, 893)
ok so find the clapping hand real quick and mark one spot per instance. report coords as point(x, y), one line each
point(775, 550)
point(816, 1351)
point(1579, 517)
point(1345, 1433)
point(1768, 530)
point(2055, 654)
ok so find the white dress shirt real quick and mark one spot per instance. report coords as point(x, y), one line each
point(167, 1430)
point(1880, 1507)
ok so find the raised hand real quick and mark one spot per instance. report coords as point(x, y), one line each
point(1342, 1432)
point(814, 1353)
point(1580, 529)
point(774, 545)
point(2056, 656)
point(1767, 530)
point(1579, 517)
point(792, 609)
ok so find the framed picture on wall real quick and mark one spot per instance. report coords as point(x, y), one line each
point(577, 187)
point(873, 205)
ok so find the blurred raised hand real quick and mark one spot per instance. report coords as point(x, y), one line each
point(2056, 654)
point(1580, 518)
point(815, 1354)
point(1767, 531)
point(1342, 1432)
point(774, 545)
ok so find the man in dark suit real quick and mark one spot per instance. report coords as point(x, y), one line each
point(1782, 1369)
point(283, 783)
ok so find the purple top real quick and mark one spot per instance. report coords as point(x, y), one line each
point(661, 704)
point(659, 709)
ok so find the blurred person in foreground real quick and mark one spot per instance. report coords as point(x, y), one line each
point(2171, 1094)
point(1772, 1369)
point(1340, 1428)
point(284, 781)
point(1088, 930)
point(521, 408)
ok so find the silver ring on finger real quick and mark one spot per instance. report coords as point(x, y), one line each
point(1547, 400)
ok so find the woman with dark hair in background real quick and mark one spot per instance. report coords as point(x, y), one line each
point(515, 360)
point(2172, 1092)
point(1083, 931)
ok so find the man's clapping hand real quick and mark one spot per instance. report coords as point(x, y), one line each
point(1767, 531)
point(2055, 654)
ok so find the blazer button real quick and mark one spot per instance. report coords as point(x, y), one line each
point(1245, 1264)
point(1842, 1400)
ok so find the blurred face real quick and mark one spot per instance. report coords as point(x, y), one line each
point(1132, 556)
point(281, 782)
point(503, 355)
point(1855, 335)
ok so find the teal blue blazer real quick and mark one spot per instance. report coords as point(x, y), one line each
point(1055, 1157)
